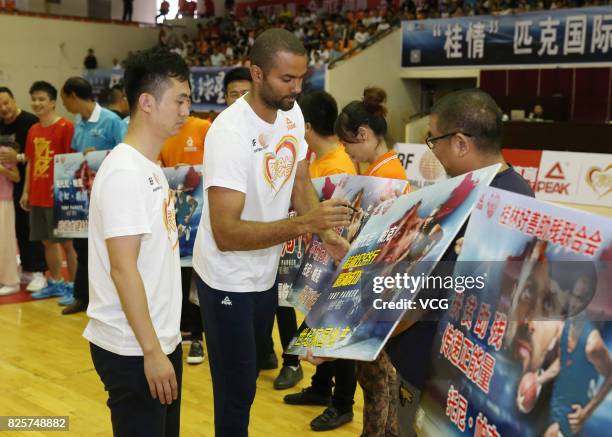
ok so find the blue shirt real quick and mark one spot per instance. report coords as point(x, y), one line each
point(103, 131)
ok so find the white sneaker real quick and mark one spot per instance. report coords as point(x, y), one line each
point(37, 283)
point(9, 289)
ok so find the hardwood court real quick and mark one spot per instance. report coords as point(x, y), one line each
point(46, 369)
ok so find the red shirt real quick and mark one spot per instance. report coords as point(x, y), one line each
point(42, 145)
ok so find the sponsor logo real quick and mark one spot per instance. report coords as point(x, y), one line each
point(227, 301)
point(600, 180)
point(290, 123)
point(552, 187)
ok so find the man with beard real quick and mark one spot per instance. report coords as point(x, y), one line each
point(254, 166)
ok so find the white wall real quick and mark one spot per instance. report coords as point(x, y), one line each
point(144, 10)
point(65, 7)
point(378, 65)
point(53, 50)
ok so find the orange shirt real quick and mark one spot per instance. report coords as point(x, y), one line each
point(387, 166)
point(186, 147)
point(336, 161)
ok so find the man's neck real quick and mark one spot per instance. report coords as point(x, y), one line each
point(87, 109)
point(488, 160)
point(323, 145)
point(13, 118)
point(49, 119)
point(263, 111)
point(142, 138)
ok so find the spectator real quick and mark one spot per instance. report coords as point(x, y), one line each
point(14, 126)
point(164, 8)
point(128, 8)
point(116, 101)
point(96, 128)
point(9, 273)
point(51, 136)
point(90, 62)
point(237, 83)
point(116, 64)
point(361, 35)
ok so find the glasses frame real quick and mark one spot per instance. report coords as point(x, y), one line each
point(431, 141)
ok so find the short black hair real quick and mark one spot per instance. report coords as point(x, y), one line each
point(7, 90)
point(79, 87)
point(111, 96)
point(474, 112)
point(236, 74)
point(46, 87)
point(148, 71)
point(272, 41)
point(320, 110)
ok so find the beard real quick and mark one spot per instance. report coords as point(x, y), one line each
point(284, 103)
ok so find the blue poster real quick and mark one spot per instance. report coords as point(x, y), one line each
point(186, 186)
point(366, 194)
point(102, 79)
point(358, 308)
point(73, 176)
point(293, 251)
point(560, 36)
point(527, 354)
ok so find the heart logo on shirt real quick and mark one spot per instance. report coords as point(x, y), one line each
point(600, 180)
point(278, 166)
point(492, 204)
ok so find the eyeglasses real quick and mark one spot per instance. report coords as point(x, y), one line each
point(431, 141)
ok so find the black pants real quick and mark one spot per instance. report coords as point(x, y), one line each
point(287, 328)
point(128, 8)
point(191, 320)
point(32, 253)
point(237, 327)
point(343, 371)
point(81, 278)
point(134, 412)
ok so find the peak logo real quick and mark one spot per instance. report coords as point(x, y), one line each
point(555, 186)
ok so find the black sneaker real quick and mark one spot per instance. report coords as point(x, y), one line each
point(330, 419)
point(270, 363)
point(307, 397)
point(288, 377)
point(196, 353)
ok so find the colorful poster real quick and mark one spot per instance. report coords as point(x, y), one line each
point(73, 176)
point(293, 251)
point(422, 166)
point(365, 193)
point(186, 185)
point(528, 353)
point(362, 300)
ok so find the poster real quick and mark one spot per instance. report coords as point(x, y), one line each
point(293, 251)
point(530, 352)
point(73, 176)
point(362, 300)
point(186, 186)
point(365, 193)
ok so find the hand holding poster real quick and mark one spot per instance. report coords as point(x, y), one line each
point(356, 312)
point(528, 354)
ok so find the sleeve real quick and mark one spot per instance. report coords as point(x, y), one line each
point(67, 140)
point(123, 205)
point(29, 145)
point(226, 161)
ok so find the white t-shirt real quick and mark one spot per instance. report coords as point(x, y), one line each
point(244, 153)
point(130, 196)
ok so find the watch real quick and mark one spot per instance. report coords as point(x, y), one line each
point(21, 158)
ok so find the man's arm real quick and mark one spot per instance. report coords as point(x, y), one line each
point(597, 353)
point(305, 199)
point(24, 202)
point(231, 233)
point(123, 255)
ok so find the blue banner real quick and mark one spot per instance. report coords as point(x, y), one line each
point(566, 36)
point(207, 92)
